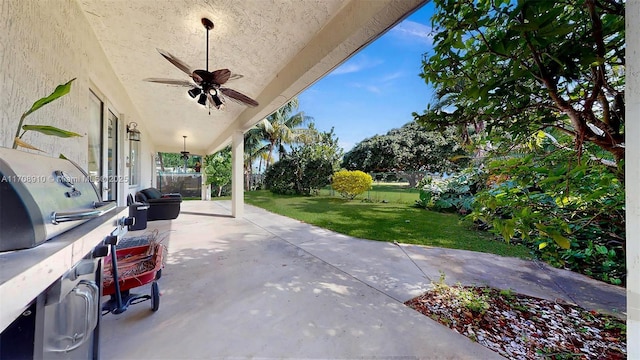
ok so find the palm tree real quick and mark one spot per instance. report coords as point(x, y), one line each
point(282, 128)
point(275, 132)
point(254, 147)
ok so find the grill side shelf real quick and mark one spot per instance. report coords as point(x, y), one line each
point(26, 273)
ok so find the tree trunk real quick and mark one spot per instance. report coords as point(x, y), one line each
point(412, 177)
point(161, 162)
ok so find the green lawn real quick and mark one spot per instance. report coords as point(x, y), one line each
point(384, 221)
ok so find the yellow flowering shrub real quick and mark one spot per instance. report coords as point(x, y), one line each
point(351, 183)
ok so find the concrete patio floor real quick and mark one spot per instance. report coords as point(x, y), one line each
point(266, 286)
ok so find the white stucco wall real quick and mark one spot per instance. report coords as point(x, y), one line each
point(44, 43)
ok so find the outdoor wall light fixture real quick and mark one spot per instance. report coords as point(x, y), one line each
point(133, 132)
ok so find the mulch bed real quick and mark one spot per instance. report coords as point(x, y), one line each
point(523, 327)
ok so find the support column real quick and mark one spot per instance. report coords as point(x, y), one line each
point(237, 174)
point(632, 174)
point(205, 192)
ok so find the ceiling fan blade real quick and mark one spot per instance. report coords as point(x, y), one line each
point(239, 97)
point(221, 76)
point(196, 77)
point(170, 81)
point(177, 62)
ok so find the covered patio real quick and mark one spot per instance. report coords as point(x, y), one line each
point(281, 47)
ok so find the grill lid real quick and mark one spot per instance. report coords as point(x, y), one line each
point(41, 197)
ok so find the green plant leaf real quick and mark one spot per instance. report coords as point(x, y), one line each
point(50, 130)
point(525, 27)
point(60, 90)
point(542, 245)
point(562, 241)
point(601, 249)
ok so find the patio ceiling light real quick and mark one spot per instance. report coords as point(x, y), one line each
point(185, 153)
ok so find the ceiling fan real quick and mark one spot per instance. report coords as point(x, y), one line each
point(208, 85)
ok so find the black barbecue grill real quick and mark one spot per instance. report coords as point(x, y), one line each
point(51, 216)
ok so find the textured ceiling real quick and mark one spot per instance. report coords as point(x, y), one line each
point(279, 46)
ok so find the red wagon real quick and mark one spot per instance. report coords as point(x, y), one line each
point(134, 267)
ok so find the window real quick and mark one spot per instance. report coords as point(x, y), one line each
point(134, 162)
point(104, 147)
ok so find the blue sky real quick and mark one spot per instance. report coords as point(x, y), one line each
point(378, 88)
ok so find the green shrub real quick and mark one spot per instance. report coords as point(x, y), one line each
point(455, 193)
point(297, 174)
point(351, 183)
point(571, 215)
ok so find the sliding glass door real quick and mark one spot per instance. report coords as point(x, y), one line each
point(103, 139)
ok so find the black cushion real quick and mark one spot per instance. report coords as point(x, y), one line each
point(152, 193)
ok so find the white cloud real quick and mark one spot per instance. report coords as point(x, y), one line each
point(378, 84)
point(356, 64)
point(347, 68)
point(414, 29)
point(392, 76)
point(373, 89)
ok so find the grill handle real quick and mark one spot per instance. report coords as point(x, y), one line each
point(100, 209)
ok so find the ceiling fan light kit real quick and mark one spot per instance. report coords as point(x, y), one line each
point(207, 84)
point(194, 92)
point(202, 100)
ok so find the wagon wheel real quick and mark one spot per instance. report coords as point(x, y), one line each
point(155, 296)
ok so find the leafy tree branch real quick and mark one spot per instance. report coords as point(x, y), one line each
point(519, 66)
